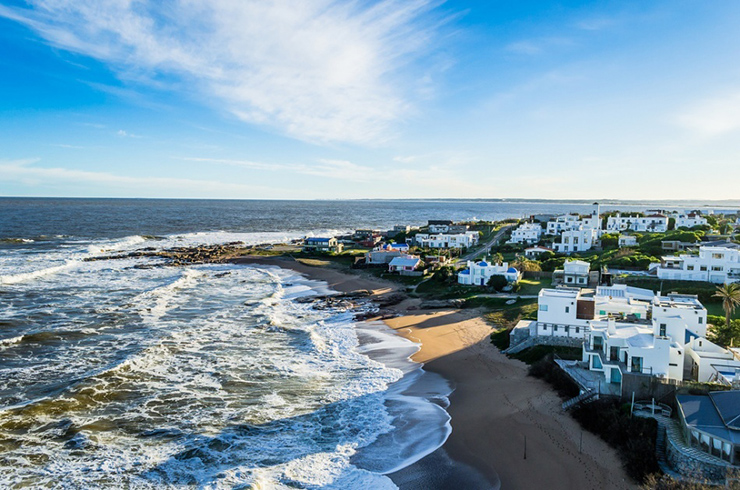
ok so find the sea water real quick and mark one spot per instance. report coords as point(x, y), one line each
point(131, 373)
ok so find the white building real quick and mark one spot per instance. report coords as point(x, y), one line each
point(657, 223)
point(385, 253)
point(404, 263)
point(627, 330)
point(627, 241)
point(575, 273)
point(594, 219)
point(460, 240)
point(479, 273)
point(713, 264)
point(577, 240)
point(562, 223)
point(690, 220)
point(527, 233)
point(536, 251)
point(439, 226)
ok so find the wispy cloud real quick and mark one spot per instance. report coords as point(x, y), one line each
point(319, 70)
point(334, 169)
point(714, 116)
point(125, 134)
point(538, 46)
point(24, 171)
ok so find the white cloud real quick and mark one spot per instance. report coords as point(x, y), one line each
point(318, 70)
point(125, 134)
point(23, 171)
point(713, 117)
point(335, 169)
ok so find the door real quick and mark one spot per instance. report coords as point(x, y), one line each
point(616, 376)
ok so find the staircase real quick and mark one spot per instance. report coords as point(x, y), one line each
point(513, 349)
point(585, 397)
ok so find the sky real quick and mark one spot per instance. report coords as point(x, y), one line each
point(320, 99)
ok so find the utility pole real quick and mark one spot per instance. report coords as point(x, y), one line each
point(525, 447)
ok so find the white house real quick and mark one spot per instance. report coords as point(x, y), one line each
point(460, 240)
point(479, 273)
point(626, 330)
point(594, 219)
point(562, 223)
point(439, 226)
point(385, 253)
point(690, 220)
point(574, 273)
point(321, 244)
point(657, 223)
point(404, 263)
point(577, 240)
point(527, 233)
point(536, 251)
point(627, 241)
point(713, 264)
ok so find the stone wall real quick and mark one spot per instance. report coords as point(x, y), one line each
point(685, 464)
point(558, 341)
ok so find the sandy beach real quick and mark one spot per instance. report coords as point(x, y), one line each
point(495, 406)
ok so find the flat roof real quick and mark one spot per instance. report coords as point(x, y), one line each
point(562, 292)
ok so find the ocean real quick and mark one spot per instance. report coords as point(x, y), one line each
point(127, 373)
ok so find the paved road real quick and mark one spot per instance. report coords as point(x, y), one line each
point(486, 247)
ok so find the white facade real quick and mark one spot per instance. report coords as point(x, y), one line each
point(577, 240)
point(657, 223)
point(479, 273)
point(627, 241)
point(527, 233)
point(404, 263)
point(460, 240)
point(632, 330)
point(534, 252)
point(690, 220)
point(562, 223)
point(713, 264)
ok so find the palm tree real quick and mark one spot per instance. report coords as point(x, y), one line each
point(730, 295)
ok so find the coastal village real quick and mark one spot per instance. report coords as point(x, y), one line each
point(632, 309)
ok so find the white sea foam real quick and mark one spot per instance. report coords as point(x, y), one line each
point(206, 379)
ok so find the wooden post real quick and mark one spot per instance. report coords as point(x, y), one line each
point(525, 447)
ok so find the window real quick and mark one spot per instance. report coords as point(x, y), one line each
point(602, 312)
point(701, 320)
point(717, 268)
point(581, 280)
point(578, 329)
point(662, 329)
point(703, 268)
point(543, 307)
point(689, 267)
point(554, 328)
point(718, 256)
point(569, 279)
point(567, 309)
point(636, 365)
point(596, 362)
point(567, 328)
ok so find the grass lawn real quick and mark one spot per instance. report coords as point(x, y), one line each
point(533, 286)
point(714, 309)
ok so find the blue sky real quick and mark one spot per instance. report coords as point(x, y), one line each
point(385, 99)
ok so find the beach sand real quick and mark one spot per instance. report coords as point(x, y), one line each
point(494, 406)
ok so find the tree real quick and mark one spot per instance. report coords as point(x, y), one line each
point(730, 296)
point(496, 258)
point(525, 265)
point(498, 282)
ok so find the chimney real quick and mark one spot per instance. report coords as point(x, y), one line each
point(611, 326)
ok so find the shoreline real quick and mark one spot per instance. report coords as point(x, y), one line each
point(494, 405)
